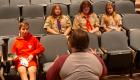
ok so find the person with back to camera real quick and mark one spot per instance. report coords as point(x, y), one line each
point(26, 47)
point(86, 19)
point(57, 22)
point(81, 64)
point(111, 20)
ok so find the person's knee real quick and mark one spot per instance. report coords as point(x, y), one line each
point(32, 69)
point(32, 72)
point(22, 69)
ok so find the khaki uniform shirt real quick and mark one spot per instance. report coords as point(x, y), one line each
point(51, 22)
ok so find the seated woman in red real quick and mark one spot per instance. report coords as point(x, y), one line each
point(26, 47)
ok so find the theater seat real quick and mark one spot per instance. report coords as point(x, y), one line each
point(67, 2)
point(4, 2)
point(36, 26)
point(134, 43)
point(55, 45)
point(13, 10)
point(32, 11)
point(119, 58)
point(40, 2)
point(131, 21)
point(19, 2)
point(124, 7)
point(99, 7)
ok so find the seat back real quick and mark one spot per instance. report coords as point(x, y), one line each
point(8, 27)
point(119, 57)
point(78, 1)
point(19, 2)
point(36, 25)
point(4, 2)
point(124, 7)
point(93, 43)
point(49, 8)
point(67, 2)
point(131, 21)
point(10, 44)
point(135, 39)
point(99, 7)
point(74, 9)
point(9, 12)
point(93, 1)
point(32, 11)
point(114, 40)
point(134, 43)
point(55, 45)
point(40, 2)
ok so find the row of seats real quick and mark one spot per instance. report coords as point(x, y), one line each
point(10, 26)
point(30, 13)
point(28, 2)
point(122, 7)
point(114, 47)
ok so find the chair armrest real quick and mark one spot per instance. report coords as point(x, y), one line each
point(124, 30)
point(40, 60)
point(47, 66)
point(100, 51)
point(104, 50)
point(133, 53)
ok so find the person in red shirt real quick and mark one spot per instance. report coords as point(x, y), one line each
point(26, 47)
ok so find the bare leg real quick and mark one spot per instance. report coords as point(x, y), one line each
point(23, 73)
point(32, 72)
point(1, 74)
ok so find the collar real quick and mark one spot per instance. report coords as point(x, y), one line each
point(29, 35)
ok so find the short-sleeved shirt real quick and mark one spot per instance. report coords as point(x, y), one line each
point(51, 22)
point(80, 21)
point(108, 21)
point(81, 65)
point(77, 66)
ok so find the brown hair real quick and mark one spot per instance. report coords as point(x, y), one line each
point(23, 24)
point(79, 40)
point(53, 9)
point(86, 3)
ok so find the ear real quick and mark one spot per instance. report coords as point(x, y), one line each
point(19, 34)
point(69, 46)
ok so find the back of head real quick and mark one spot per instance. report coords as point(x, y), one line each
point(79, 40)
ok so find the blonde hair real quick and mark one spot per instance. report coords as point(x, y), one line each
point(113, 6)
point(114, 14)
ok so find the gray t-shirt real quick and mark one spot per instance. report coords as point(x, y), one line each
point(81, 66)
